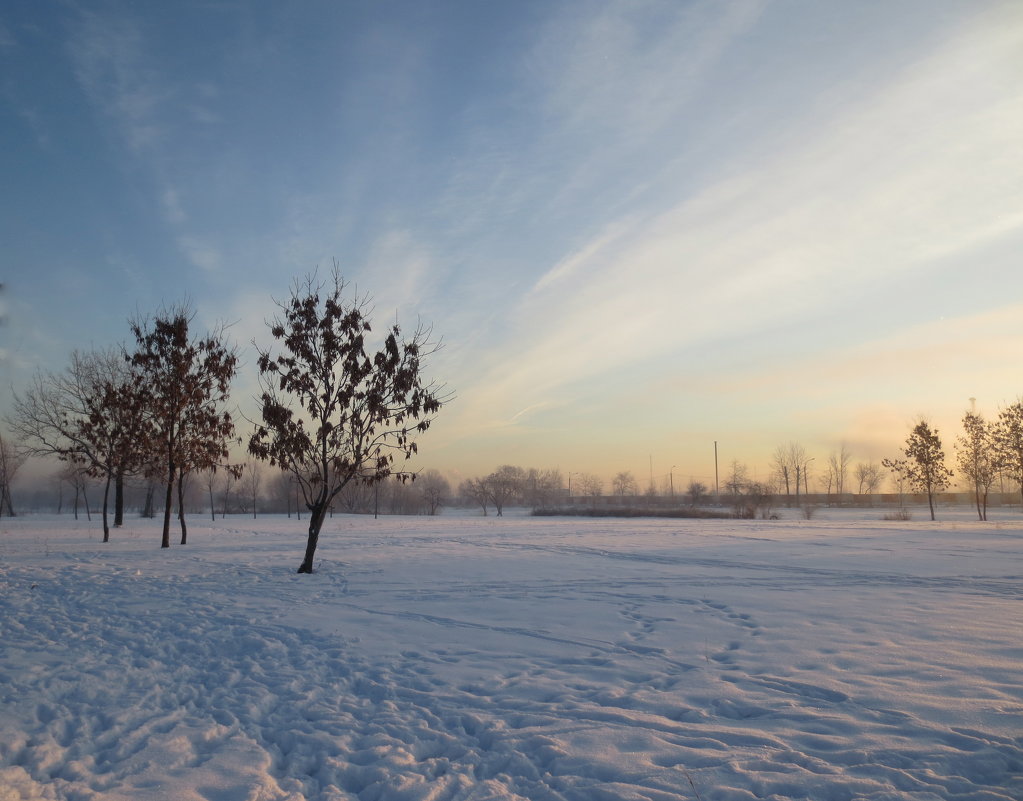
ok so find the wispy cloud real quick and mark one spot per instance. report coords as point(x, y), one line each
point(919, 169)
point(108, 55)
point(201, 253)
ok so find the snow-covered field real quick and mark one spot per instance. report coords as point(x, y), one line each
point(517, 658)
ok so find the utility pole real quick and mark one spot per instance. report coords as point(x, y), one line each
point(717, 491)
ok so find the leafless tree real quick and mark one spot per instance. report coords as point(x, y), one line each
point(252, 479)
point(624, 483)
point(434, 490)
point(505, 485)
point(227, 482)
point(11, 461)
point(476, 490)
point(590, 485)
point(77, 477)
point(869, 476)
point(783, 470)
point(541, 488)
point(209, 481)
point(838, 468)
point(90, 416)
point(331, 412)
point(697, 493)
point(789, 463)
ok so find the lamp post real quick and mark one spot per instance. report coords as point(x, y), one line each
point(671, 480)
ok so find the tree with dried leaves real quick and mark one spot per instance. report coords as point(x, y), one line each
point(187, 383)
point(331, 412)
point(1008, 441)
point(91, 416)
point(978, 462)
point(924, 466)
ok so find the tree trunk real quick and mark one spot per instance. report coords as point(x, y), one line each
point(213, 512)
point(181, 509)
point(165, 541)
point(77, 491)
point(106, 498)
point(85, 497)
point(976, 496)
point(119, 499)
point(316, 517)
point(930, 502)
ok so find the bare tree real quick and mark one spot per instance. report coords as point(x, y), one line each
point(697, 492)
point(978, 461)
point(434, 489)
point(789, 463)
point(838, 469)
point(90, 416)
point(77, 477)
point(210, 483)
point(476, 489)
point(735, 485)
point(332, 413)
point(505, 484)
point(624, 483)
point(924, 466)
point(869, 476)
point(11, 461)
point(541, 489)
point(227, 482)
point(590, 485)
point(252, 479)
point(783, 469)
point(281, 490)
point(358, 497)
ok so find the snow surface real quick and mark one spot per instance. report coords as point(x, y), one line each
point(515, 658)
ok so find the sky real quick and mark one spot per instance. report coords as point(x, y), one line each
point(639, 228)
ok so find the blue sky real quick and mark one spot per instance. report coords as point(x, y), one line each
point(639, 227)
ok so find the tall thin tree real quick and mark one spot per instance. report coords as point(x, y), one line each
point(978, 462)
point(924, 466)
point(1008, 441)
point(188, 382)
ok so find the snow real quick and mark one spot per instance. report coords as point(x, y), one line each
point(464, 657)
